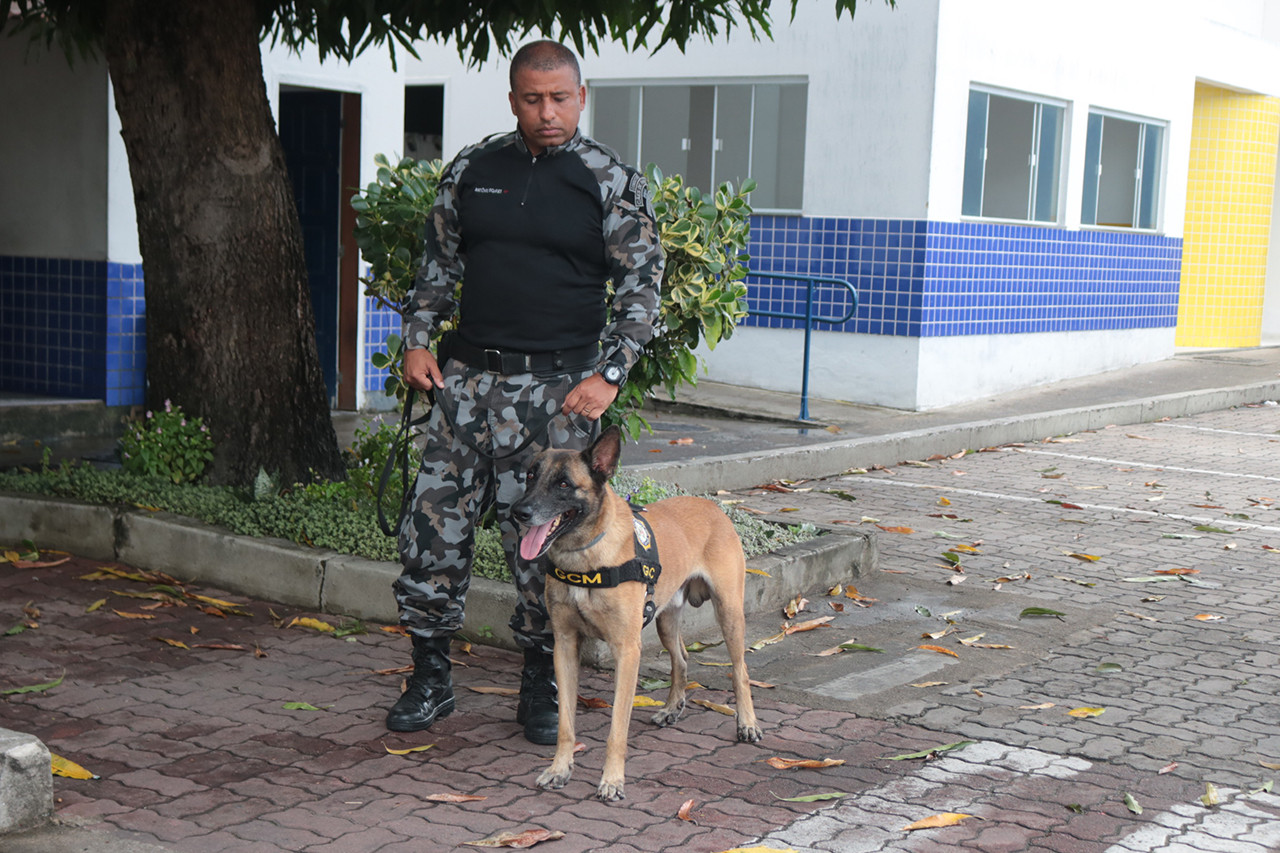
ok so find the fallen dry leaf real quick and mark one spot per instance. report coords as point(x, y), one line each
point(68, 768)
point(593, 702)
point(902, 530)
point(928, 684)
point(807, 626)
point(714, 706)
point(528, 838)
point(314, 624)
point(794, 606)
point(496, 691)
point(938, 820)
point(685, 809)
point(802, 763)
point(1209, 617)
point(1082, 713)
point(680, 441)
point(177, 644)
point(128, 615)
point(1042, 706)
point(1168, 768)
point(939, 650)
point(453, 798)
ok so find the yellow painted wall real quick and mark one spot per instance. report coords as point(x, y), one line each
point(1230, 184)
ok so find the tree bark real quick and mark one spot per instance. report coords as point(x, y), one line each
point(230, 328)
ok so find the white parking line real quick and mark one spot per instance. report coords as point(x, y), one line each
point(1100, 507)
point(1131, 464)
point(1274, 436)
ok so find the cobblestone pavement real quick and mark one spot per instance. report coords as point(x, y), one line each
point(197, 750)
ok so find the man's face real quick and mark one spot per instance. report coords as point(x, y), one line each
point(547, 106)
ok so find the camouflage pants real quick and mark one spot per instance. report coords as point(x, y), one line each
point(456, 486)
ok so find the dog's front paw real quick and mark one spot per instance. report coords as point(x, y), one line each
point(749, 734)
point(609, 792)
point(552, 779)
point(669, 714)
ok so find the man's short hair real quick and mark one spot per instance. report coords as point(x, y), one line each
point(544, 55)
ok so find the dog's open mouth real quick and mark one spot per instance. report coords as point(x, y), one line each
point(537, 540)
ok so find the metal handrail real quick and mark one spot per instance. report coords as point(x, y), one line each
point(808, 317)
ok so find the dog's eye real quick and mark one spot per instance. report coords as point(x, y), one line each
point(564, 484)
point(530, 476)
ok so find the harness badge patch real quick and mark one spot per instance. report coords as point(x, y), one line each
point(642, 534)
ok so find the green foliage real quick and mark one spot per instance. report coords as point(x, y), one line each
point(166, 444)
point(346, 28)
point(336, 516)
point(704, 238)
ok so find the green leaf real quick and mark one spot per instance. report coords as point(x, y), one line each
point(923, 611)
point(858, 647)
point(302, 706)
point(1039, 611)
point(34, 688)
point(1109, 667)
point(926, 753)
point(1209, 528)
point(15, 630)
point(1131, 804)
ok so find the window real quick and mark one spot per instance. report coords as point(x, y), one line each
point(1122, 172)
point(711, 133)
point(1013, 157)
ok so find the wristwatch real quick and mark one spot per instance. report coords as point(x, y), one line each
point(614, 374)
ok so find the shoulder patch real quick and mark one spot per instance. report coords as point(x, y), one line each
point(638, 189)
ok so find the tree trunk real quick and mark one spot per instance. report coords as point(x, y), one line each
point(230, 329)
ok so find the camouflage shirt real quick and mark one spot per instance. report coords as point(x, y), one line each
point(538, 239)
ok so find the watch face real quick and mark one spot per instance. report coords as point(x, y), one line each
point(612, 374)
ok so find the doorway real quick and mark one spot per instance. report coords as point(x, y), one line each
point(320, 133)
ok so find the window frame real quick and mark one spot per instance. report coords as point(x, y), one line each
point(1035, 182)
point(691, 83)
point(1144, 123)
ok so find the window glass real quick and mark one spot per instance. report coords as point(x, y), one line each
point(1013, 156)
point(710, 134)
point(617, 118)
point(1122, 173)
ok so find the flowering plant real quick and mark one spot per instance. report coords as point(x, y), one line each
point(166, 444)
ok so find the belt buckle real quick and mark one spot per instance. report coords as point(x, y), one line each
point(493, 360)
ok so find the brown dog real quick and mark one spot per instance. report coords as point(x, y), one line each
point(575, 517)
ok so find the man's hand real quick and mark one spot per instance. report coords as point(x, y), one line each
point(590, 397)
point(421, 370)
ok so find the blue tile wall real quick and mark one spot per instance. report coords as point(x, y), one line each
point(380, 321)
point(920, 278)
point(72, 328)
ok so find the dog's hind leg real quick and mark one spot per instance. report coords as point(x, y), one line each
point(566, 663)
point(668, 625)
point(728, 604)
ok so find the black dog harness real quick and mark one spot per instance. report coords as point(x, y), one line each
point(644, 567)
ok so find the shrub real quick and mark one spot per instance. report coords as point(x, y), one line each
point(166, 444)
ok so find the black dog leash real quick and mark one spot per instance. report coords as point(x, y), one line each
point(404, 435)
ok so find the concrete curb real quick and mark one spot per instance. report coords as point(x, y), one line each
point(743, 470)
point(329, 582)
point(26, 782)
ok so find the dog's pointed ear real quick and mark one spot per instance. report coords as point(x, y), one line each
point(602, 456)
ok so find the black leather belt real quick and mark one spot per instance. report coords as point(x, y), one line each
point(507, 362)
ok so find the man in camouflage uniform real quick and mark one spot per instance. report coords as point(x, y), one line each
point(539, 220)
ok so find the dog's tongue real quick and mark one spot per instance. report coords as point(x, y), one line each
point(531, 543)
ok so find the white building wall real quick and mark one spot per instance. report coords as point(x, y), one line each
point(870, 78)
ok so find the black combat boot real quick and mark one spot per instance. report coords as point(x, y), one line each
point(428, 693)
point(538, 709)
